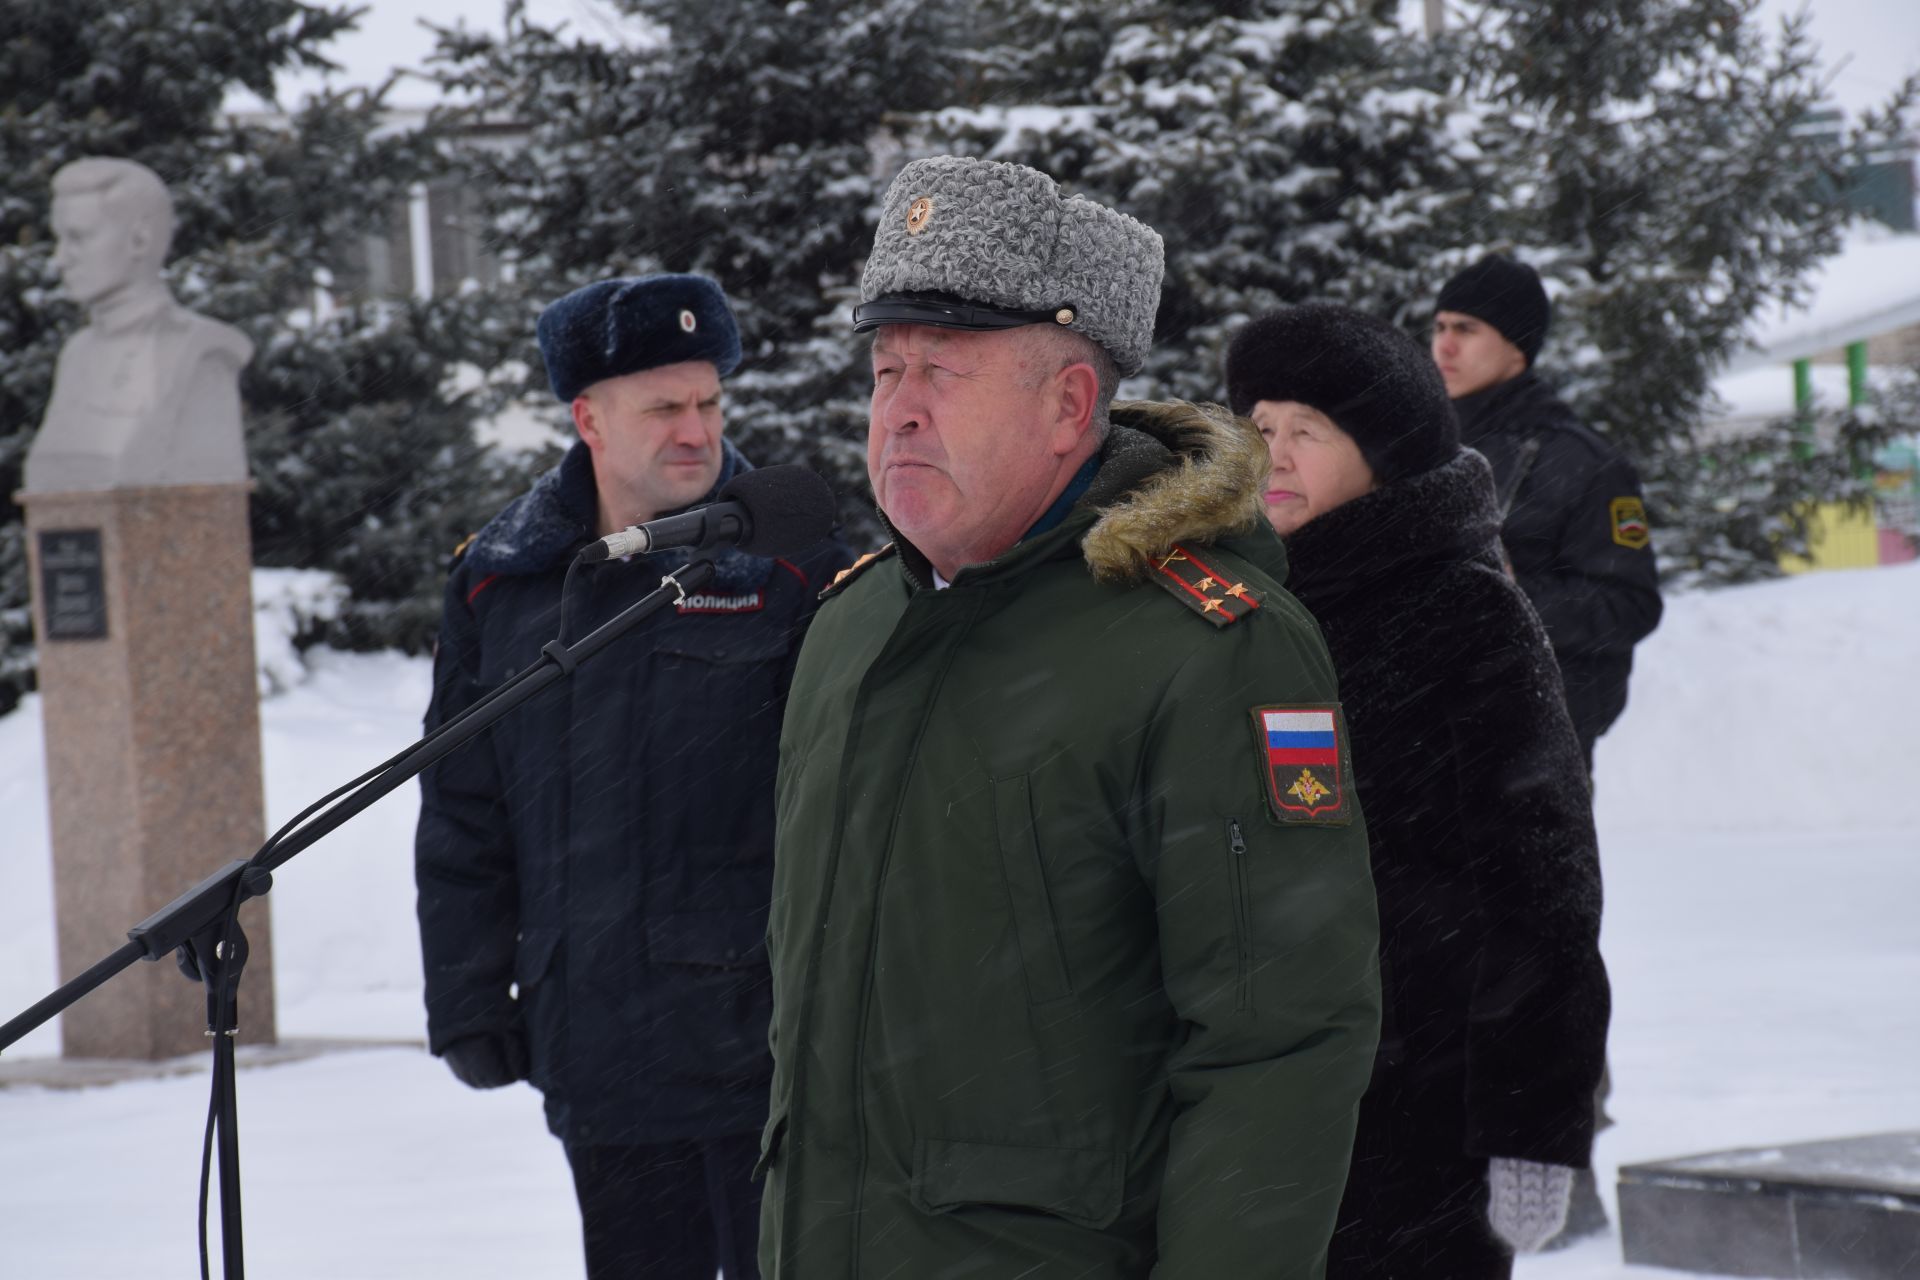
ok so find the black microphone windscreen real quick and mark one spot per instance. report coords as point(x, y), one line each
point(789, 508)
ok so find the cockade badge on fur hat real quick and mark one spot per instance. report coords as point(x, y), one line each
point(633, 323)
point(976, 244)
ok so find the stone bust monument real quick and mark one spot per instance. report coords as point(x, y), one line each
point(148, 393)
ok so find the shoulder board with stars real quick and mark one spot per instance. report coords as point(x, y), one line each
point(1214, 596)
point(460, 550)
point(846, 576)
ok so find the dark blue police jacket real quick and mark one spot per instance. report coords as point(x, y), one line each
point(595, 868)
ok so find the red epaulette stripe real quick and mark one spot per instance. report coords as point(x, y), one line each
point(1251, 601)
point(480, 586)
point(794, 569)
point(1185, 586)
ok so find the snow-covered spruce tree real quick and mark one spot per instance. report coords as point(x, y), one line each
point(261, 206)
point(1651, 159)
point(732, 140)
point(1286, 150)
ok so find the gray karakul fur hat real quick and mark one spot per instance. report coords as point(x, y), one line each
point(977, 244)
point(1376, 384)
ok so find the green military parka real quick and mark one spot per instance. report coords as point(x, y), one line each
point(1061, 989)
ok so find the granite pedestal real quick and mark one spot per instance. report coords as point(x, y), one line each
point(1845, 1209)
point(143, 615)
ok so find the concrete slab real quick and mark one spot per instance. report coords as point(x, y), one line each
point(1841, 1209)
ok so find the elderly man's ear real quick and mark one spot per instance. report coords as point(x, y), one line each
point(1076, 398)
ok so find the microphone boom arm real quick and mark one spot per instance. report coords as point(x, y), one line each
point(193, 922)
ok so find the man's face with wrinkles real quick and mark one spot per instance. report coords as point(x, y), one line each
point(958, 446)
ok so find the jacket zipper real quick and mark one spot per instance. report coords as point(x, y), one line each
point(1242, 921)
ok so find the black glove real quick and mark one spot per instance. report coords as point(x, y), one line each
point(488, 1061)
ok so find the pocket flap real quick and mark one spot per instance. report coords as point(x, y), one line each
point(1080, 1186)
point(534, 955)
point(712, 939)
point(770, 1144)
point(707, 642)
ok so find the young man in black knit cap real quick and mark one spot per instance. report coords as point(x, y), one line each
point(1574, 522)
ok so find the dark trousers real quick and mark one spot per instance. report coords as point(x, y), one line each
point(675, 1211)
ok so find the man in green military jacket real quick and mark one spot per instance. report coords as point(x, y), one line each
point(1073, 935)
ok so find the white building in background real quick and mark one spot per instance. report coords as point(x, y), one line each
point(434, 241)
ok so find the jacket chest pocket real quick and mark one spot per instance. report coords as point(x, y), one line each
point(1027, 897)
point(711, 677)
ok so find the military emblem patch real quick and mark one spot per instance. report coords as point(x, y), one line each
point(1629, 519)
point(1303, 762)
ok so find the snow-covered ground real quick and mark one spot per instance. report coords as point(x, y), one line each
point(1760, 819)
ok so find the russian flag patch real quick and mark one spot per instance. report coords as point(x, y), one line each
point(1302, 752)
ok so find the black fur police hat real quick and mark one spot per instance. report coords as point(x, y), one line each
point(627, 325)
point(1372, 380)
point(1507, 295)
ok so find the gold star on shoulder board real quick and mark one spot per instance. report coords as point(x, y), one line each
point(855, 569)
point(1196, 585)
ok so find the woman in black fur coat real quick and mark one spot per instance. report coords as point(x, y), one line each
point(1477, 803)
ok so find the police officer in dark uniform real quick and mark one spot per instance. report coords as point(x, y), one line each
point(1575, 523)
point(594, 872)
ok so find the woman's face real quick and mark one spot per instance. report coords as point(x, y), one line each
point(1316, 465)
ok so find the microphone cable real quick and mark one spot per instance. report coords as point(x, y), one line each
point(793, 500)
point(230, 921)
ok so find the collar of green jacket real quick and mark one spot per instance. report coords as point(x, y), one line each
point(1170, 472)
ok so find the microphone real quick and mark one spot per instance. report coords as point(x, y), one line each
point(773, 511)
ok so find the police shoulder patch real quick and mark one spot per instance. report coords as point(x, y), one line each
point(1628, 516)
point(1214, 596)
point(1305, 769)
point(846, 576)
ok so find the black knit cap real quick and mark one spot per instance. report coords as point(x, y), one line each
point(1372, 380)
point(1507, 295)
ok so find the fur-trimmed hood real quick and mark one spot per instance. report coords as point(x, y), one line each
point(1171, 472)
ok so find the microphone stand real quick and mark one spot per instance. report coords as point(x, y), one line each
point(201, 922)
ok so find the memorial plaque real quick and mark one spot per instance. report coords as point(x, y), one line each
point(73, 584)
